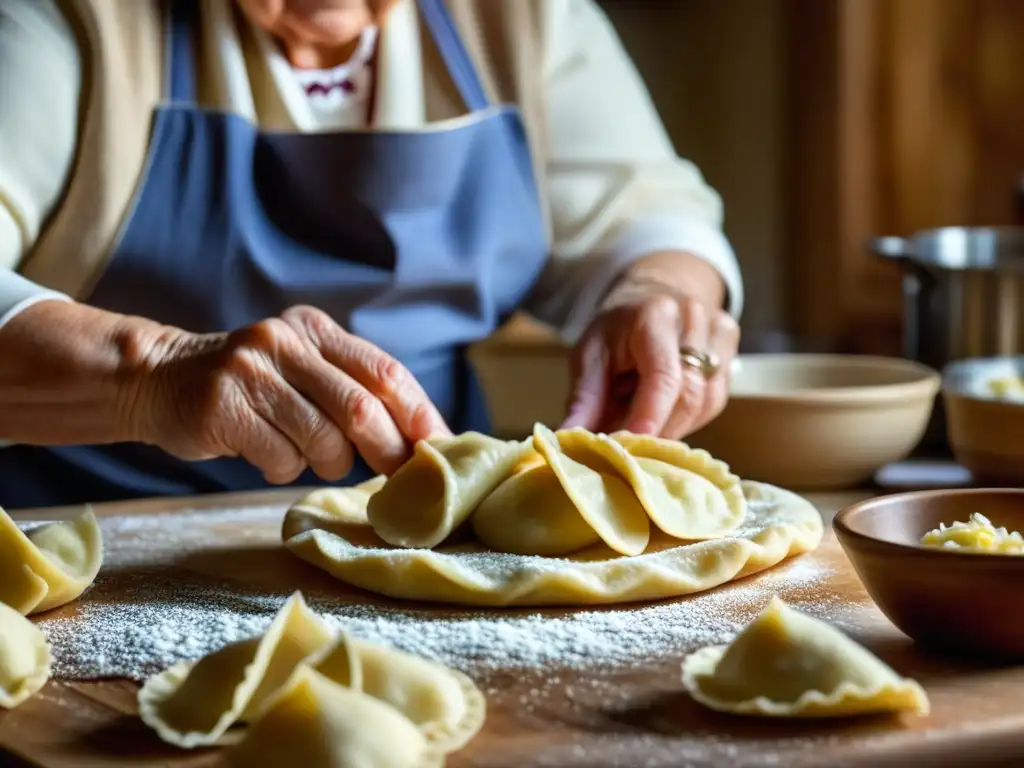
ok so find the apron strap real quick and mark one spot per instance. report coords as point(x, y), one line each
point(453, 51)
point(180, 63)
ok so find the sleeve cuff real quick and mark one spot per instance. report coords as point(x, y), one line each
point(640, 238)
point(18, 294)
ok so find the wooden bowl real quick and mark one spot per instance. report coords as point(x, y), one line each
point(985, 431)
point(815, 422)
point(960, 601)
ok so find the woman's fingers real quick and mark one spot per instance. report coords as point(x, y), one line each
point(292, 392)
point(724, 344)
point(265, 447)
point(588, 401)
point(654, 346)
point(276, 427)
point(361, 417)
point(694, 390)
point(315, 435)
point(379, 375)
point(392, 384)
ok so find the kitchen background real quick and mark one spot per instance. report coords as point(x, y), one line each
point(823, 123)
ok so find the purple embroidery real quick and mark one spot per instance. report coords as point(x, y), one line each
point(346, 85)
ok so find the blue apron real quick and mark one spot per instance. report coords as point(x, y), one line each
point(421, 242)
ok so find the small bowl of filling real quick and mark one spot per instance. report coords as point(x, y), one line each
point(984, 400)
point(946, 567)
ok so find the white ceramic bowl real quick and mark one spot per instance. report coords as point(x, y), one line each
point(986, 431)
point(814, 422)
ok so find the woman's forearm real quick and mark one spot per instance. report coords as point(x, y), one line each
point(69, 374)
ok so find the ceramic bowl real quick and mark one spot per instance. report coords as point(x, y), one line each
point(817, 422)
point(985, 429)
point(960, 601)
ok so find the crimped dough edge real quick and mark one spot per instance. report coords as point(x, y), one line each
point(847, 700)
point(778, 525)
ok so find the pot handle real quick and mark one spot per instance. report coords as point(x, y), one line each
point(918, 286)
point(890, 247)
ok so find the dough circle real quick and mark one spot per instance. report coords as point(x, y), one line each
point(778, 524)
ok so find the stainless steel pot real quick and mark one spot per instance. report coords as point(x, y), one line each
point(963, 295)
point(963, 290)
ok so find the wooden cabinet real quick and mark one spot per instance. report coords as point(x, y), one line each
point(903, 115)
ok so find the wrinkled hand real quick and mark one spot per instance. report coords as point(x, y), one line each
point(628, 373)
point(285, 393)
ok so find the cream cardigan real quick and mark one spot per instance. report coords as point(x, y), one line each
point(75, 117)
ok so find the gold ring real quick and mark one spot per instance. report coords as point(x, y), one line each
point(705, 362)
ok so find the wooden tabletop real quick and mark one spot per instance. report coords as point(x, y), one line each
point(635, 717)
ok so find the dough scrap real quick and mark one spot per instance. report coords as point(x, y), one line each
point(434, 492)
point(788, 664)
point(25, 658)
point(194, 704)
point(49, 566)
point(777, 524)
point(315, 722)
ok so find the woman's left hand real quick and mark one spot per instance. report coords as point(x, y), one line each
point(639, 365)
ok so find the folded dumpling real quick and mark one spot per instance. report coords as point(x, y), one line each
point(25, 658)
point(688, 493)
point(445, 705)
point(531, 514)
point(316, 723)
point(194, 704)
point(788, 664)
point(590, 478)
point(439, 487)
point(49, 566)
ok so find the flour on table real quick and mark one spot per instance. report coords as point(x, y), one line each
point(142, 615)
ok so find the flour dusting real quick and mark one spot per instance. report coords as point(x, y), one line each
point(145, 614)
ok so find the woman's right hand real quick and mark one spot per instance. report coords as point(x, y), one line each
point(284, 394)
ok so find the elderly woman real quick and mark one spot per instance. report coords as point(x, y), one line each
point(248, 241)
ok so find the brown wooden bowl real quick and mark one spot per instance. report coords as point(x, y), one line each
point(959, 601)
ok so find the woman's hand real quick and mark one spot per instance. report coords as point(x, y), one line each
point(629, 371)
point(284, 394)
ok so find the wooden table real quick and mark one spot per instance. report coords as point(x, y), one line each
point(627, 718)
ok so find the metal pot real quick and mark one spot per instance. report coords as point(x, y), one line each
point(963, 290)
point(963, 294)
